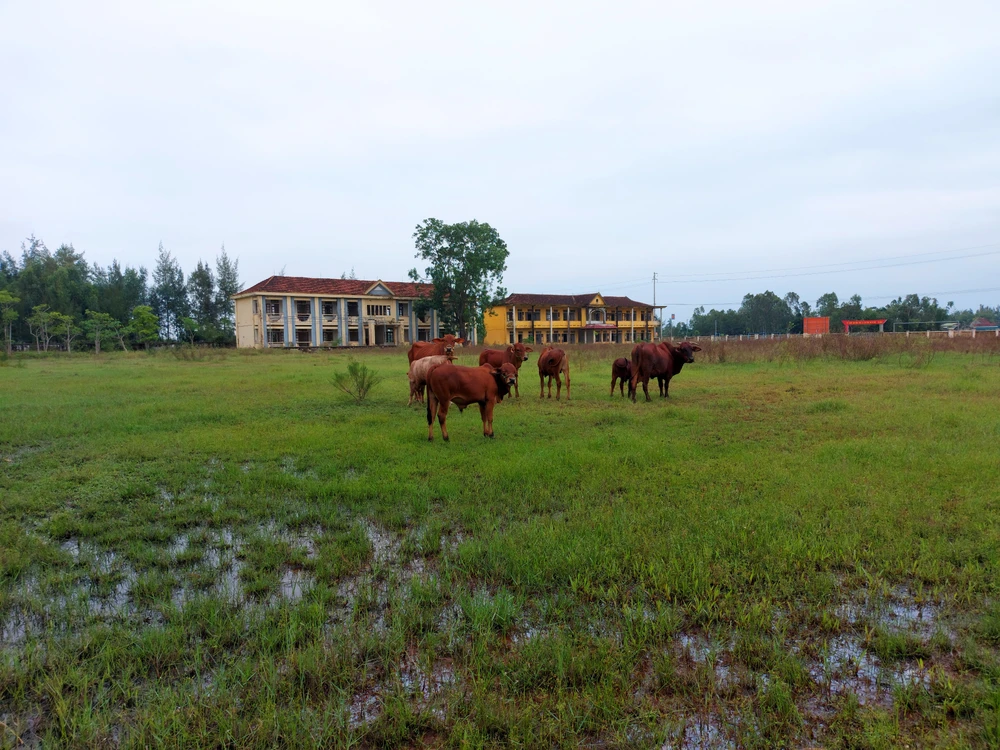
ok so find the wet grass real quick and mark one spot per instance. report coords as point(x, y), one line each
point(229, 552)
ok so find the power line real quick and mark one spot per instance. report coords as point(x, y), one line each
point(845, 263)
point(838, 270)
point(871, 297)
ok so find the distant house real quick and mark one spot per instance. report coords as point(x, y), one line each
point(297, 311)
point(982, 324)
point(570, 319)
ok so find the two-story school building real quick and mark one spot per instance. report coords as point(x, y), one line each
point(297, 311)
point(570, 319)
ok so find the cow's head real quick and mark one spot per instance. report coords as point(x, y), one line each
point(449, 342)
point(506, 377)
point(519, 352)
point(686, 349)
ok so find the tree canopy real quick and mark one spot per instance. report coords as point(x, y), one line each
point(465, 263)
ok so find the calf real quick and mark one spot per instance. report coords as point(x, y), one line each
point(462, 386)
point(444, 345)
point(419, 370)
point(621, 370)
point(661, 361)
point(552, 362)
point(514, 354)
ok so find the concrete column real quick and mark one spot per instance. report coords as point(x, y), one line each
point(513, 324)
point(361, 322)
point(341, 321)
point(288, 320)
point(413, 321)
point(317, 321)
point(263, 321)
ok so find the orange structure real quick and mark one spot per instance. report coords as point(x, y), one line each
point(815, 325)
point(848, 323)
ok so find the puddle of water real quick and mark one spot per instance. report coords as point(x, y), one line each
point(703, 732)
point(364, 709)
point(294, 583)
point(19, 454)
point(385, 545)
point(288, 466)
point(178, 546)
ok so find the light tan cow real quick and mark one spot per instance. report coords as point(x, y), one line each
point(419, 370)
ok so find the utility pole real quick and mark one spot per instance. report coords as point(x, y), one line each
point(654, 293)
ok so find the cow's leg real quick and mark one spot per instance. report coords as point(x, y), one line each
point(486, 409)
point(633, 386)
point(431, 411)
point(482, 415)
point(541, 379)
point(517, 391)
point(558, 385)
point(550, 387)
point(645, 388)
point(666, 388)
point(614, 379)
point(442, 419)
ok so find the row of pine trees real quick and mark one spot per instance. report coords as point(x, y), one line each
point(57, 299)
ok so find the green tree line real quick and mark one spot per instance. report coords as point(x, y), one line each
point(57, 298)
point(767, 313)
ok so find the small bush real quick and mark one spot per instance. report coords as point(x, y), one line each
point(358, 381)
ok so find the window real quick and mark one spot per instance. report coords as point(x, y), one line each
point(536, 314)
point(329, 336)
point(329, 308)
point(390, 336)
point(302, 309)
point(352, 309)
point(256, 307)
point(423, 334)
point(520, 314)
point(353, 335)
point(273, 306)
point(256, 336)
point(573, 314)
point(404, 309)
point(303, 337)
point(377, 310)
point(511, 338)
point(510, 315)
point(275, 336)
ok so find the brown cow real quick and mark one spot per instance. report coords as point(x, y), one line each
point(418, 375)
point(443, 345)
point(621, 369)
point(552, 362)
point(661, 361)
point(514, 354)
point(462, 386)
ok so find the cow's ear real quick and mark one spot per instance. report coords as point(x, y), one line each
point(459, 341)
point(438, 341)
point(510, 349)
point(528, 349)
point(695, 348)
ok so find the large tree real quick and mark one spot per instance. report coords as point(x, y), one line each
point(169, 294)
point(8, 314)
point(202, 298)
point(465, 263)
point(227, 283)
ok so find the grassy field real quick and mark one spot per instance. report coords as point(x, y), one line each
point(799, 548)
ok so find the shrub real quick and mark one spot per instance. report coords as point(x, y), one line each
point(358, 381)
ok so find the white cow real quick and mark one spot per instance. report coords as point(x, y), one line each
point(419, 370)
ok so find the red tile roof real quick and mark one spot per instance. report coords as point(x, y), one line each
point(307, 285)
point(570, 300)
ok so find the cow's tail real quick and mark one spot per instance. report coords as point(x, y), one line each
point(430, 395)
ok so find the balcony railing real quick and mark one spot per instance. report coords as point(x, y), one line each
point(327, 318)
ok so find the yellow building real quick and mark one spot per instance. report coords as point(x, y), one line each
point(295, 311)
point(570, 319)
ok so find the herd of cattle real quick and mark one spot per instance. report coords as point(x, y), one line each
point(432, 368)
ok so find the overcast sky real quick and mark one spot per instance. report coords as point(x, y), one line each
point(604, 141)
